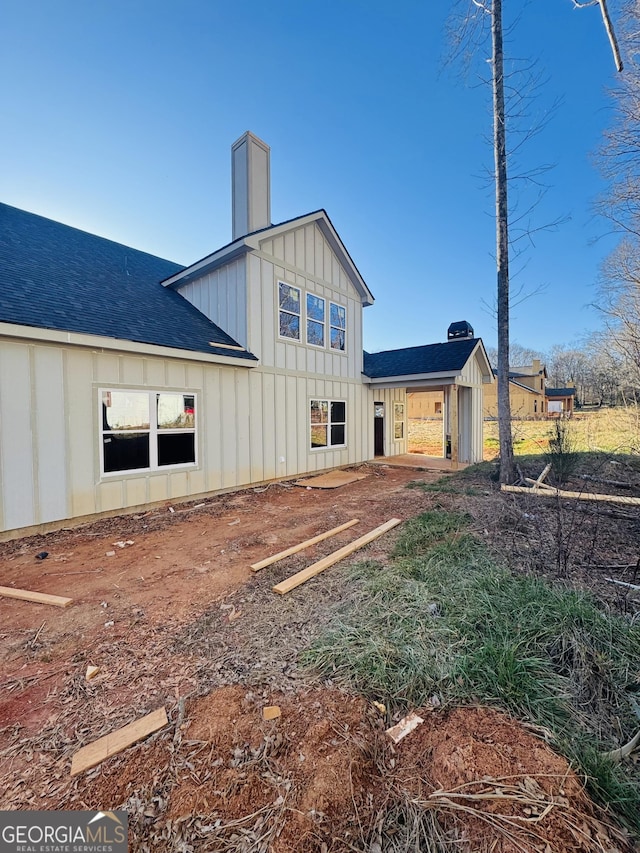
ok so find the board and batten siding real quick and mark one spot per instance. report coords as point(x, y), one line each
point(253, 425)
point(221, 296)
point(470, 413)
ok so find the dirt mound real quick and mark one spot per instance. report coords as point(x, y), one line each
point(321, 776)
point(498, 786)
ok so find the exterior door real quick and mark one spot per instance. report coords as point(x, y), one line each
point(378, 429)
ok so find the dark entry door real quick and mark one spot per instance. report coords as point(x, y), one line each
point(378, 429)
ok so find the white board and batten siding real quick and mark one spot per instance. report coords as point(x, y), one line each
point(470, 411)
point(221, 296)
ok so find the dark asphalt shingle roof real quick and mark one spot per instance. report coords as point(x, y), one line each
point(53, 276)
point(432, 358)
point(560, 392)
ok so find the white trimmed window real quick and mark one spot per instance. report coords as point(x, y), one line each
point(315, 320)
point(146, 430)
point(398, 421)
point(328, 424)
point(338, 326)
point(289, 311)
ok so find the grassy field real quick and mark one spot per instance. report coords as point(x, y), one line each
point(609, 430)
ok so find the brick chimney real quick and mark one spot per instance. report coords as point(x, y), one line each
point(250, 185)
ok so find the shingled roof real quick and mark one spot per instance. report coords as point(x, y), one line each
point(449, 357)
point(53, 276)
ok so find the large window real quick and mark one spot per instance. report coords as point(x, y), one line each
point(328, 423)
point(306, 318)
point(289, 311)
point(315, 320)
point(146, 430)
point(338, 319)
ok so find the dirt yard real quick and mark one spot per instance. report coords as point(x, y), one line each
point(165, 604)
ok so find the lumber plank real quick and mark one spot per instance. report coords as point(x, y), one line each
point(255, 567)
point(95, 753)
point(537, 484)
point(580, 496)
point(38, 597)
point(315, 569)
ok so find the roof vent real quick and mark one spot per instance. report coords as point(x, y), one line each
point(459, 331)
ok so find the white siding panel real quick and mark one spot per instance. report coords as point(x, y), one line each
point(290, 249)
point(18, 496)
point(257, 307)
point(272, 467)
point(229, 428)
point(82, 434)
point(132, 371)
point(292, 425)
point(176, 374)
point(109, 495)
point(135, 491)
point(50, 458)
point(299, 248)
point(281, 424)
point(256, 430)
point(177, 484)
point(158, 487)
point(211, 432)
point(106, 367)
point(155, 373)
point(243, 438)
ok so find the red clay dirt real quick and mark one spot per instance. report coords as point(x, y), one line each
point(175, 618)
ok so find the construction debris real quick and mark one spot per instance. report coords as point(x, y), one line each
point(38, 597)
point(332, 480)
point(315, 569)
point(255, 567)
point(95, 753)
point(580, 496)
point(91, 672)
point(404, 727)
point(271, 712)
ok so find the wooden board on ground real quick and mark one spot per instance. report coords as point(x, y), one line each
point(95, 753)
point(579, 496)
point(255, 567)
point(38, 597)
point(332, 480)
point(315, 569)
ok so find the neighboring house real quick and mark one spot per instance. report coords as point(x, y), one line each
point(560, 401)
point(126, 379)
point(526, 392)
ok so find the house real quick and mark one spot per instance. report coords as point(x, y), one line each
point(560, 401)
point(526, 392)
point(127, 380)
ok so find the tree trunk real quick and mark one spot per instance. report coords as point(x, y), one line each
point(507, 464)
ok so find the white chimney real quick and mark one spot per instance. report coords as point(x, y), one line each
point(250, 185)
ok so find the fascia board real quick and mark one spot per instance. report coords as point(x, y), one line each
point(97, 342)
point(487, 373)
point(413, 379)
point(216, 259)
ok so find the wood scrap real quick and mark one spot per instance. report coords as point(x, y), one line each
point(315, 569)
point(404, 727)
point(37, 597)
point(624, 583)
point(332, 480)
point(91, 672)
point(537, 485)
point(95, 753)
point(271, 712)
point(581, 496)
point(255, 567)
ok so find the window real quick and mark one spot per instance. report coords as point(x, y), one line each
point(338, 320)
point(328, 423)
point(147, 430)
point(289, 313)
point(438, 407)
point(398, 421)
point(315, 320)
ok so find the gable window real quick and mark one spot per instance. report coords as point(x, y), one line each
point(328, 423)
point(315, 320)
point(289, 311)
point(146, 430)
point(338, 326)
point(398, 421)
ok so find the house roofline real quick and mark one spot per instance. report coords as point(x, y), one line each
point(218, 354)
point(253, 240)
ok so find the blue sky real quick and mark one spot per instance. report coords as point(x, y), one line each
point(118, 117)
